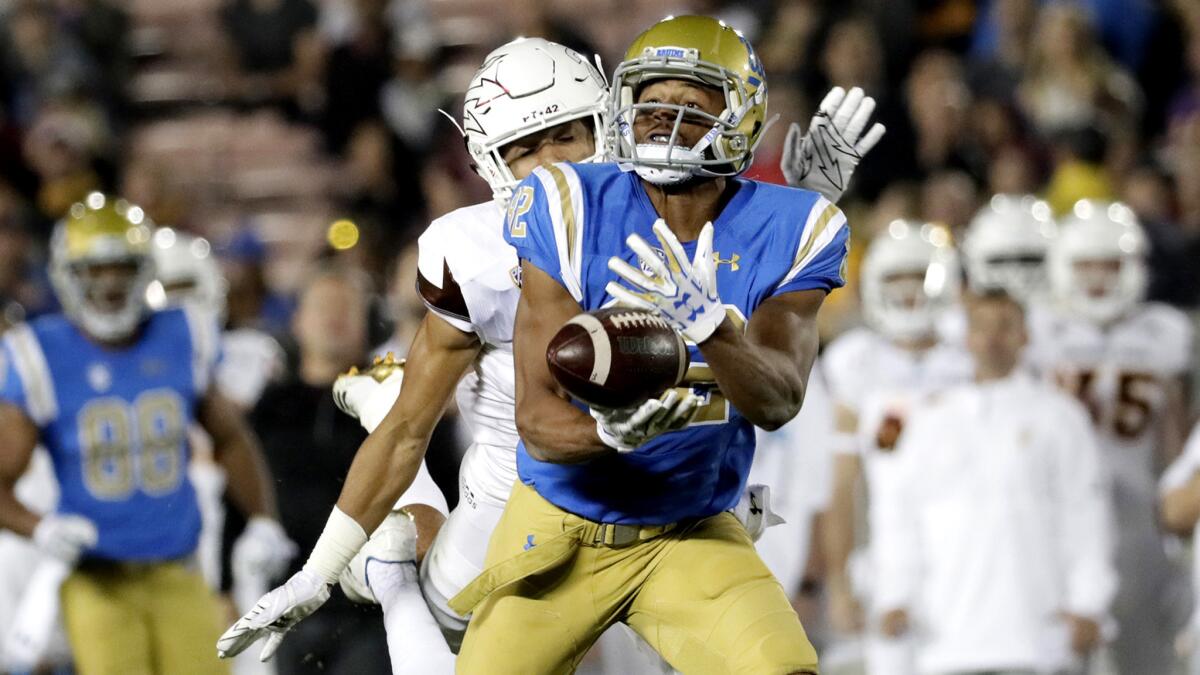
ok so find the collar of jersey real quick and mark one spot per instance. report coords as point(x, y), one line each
point(724, 219)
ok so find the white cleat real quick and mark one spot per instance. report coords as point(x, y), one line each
point(368, 395)
point(393, 543)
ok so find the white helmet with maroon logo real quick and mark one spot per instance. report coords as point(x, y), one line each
point(525, 86)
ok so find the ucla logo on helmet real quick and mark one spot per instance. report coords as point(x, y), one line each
point(670, 52)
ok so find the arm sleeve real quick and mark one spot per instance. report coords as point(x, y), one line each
point(820, 259)
point(893, 517)
point(1085, 514)
point(438, 288)
point(544, 221)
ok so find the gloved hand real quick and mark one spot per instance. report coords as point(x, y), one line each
point(624, 429)
point(824, 159)
point(263, 550)
point(274, 615)
point(65, 536)
point(682, 292)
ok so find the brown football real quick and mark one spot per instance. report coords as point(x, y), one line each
point(617, 357)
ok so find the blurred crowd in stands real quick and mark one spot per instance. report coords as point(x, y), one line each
point(257, 123)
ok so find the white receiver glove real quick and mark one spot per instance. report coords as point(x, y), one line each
point(624, 429)
point(65, 537)
point(263, 550)
point(683, 293)
point(274, 615)
point(281, 609)
point(368, 396)
point(824, 159)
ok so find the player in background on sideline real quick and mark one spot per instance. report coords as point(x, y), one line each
point(1127, 361)
point(111, 389)
point(878, 375)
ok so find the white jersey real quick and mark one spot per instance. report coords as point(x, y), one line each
point(876, 380)
point(1120, 373)
point(470, 277)
point(250, 360)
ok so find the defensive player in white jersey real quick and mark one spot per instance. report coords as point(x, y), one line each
point(532, 103)
point(1005, 248)
point(1126, 360)
point(909, 278)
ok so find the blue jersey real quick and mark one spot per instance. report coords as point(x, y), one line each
point(115, 421)
point(568, 220)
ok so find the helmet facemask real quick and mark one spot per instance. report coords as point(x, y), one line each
point(100, 266)
point(909, 277)
point(106, 296)
point(726, 149)
point(1104, 290)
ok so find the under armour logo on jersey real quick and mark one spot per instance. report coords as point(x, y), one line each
point(529, 542)
point(732, 261)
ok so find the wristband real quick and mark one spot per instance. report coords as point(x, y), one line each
point(339, 542)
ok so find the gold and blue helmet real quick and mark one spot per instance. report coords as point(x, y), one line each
point(700, 49)
point(101, 264)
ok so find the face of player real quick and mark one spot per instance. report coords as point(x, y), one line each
point(331, 321)
point(655, 126)
point(995, 335)
point(904, 291)
point(107, 285)
point(567, 142)
point(1097, 278)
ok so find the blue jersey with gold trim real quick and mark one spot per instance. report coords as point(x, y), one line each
point(115, 421)
point(568, 220)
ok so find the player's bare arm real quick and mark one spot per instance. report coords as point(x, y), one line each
point(387, 462)
point(16, 449)
point(1180, 507)
point(764, 372)
point(237, 450)
point(553, 429)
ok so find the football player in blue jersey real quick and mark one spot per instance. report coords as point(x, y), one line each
point(622, 515)
point(110, 389)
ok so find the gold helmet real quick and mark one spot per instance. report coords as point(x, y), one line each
point(700, 49)
point(103, 232)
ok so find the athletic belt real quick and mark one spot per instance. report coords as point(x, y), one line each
point(614, 535)
point(547, 555)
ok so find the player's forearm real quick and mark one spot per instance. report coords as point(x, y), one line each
point(765, 385)
point(1180, 508)
point(556, 431)
point(839, 521)
point(14, 516)
point(249, 482)
point(383, 469)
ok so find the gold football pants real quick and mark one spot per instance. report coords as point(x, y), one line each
point(141, 619)
point(699, 594)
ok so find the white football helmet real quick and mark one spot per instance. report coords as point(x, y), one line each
point(1006, 245)
point(910, 275)
point(103, 232)
point(187, 271)
point(525, 86)
point(1098, 262)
